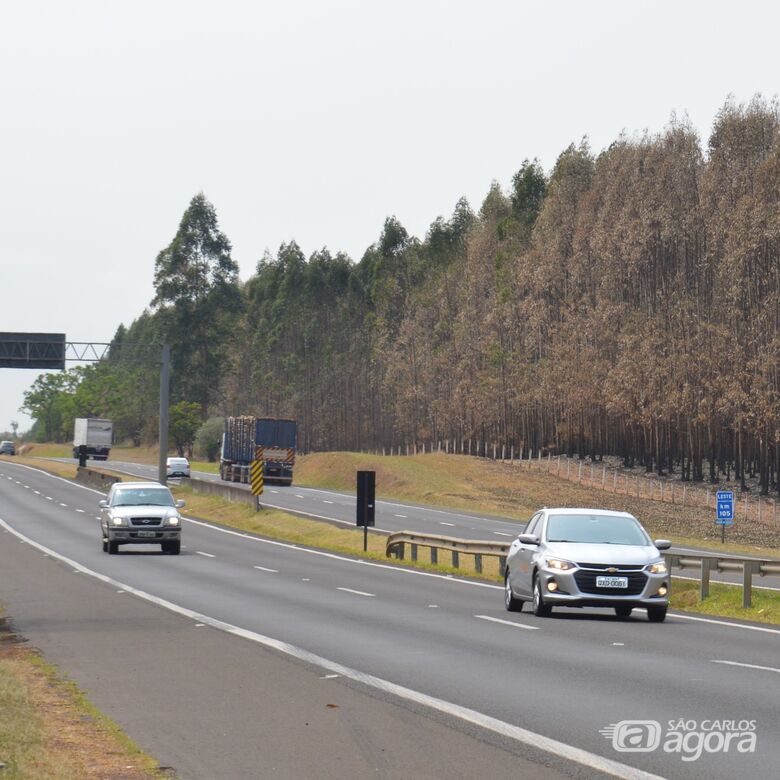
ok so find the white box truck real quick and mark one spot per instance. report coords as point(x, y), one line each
point(95, 434)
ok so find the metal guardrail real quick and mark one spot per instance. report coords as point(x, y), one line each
point(705, 564)
point(456, 547)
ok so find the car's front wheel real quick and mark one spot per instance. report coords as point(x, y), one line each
point(113, 548)
point(510, 602)
point(623, 611)
point(656, 614)
point(540, 608)
point(105, 546)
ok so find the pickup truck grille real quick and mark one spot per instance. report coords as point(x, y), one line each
point(145, 521)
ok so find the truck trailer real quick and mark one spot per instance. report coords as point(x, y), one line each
point(95, 434)
point(246, 438)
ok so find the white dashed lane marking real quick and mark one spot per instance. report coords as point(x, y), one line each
point(263, 568)
point(207, 555)
point(357, 592)
point(506, 622)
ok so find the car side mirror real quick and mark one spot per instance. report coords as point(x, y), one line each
point(662, 544)
point(103, 504)
point(528, 539)
point(180, 503)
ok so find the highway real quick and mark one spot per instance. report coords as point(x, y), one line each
point(338, 507)
point(515, 688)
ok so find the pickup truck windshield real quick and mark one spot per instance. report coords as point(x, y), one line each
point(143, 497)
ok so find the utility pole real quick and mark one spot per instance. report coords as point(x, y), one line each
point(165, 382)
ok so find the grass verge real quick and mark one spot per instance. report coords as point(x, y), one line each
point(726, 601)
point(50, 731)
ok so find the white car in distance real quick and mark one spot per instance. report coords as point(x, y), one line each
point(177, 467)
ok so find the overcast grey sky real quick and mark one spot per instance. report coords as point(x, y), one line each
point(311, 120)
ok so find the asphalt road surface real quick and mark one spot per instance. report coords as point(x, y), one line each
point(435, 649)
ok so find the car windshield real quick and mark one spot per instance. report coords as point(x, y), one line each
point(143, 497)
point(595, 529)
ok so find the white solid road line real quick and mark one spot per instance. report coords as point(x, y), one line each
point(506, 622)
point(509, 730)
point(208, 555)
point(725, 623)
point(357, 592)
point(263, 568)
point(748, 666)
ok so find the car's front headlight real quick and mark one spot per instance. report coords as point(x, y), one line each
point(173, 521)
point(657, 568)
point(118, 520)
point(558, 564)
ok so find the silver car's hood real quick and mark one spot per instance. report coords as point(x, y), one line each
point(144, 510)
point(603, 553)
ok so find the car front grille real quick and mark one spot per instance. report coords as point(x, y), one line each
point(145, 522)
point(586, 582)
point(620, 567)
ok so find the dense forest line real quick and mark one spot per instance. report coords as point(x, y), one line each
point(626, 304)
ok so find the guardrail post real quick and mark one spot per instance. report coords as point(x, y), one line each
point(455, 559)
point(706, 568)
point(478, 563)
point(413, 548)
point(399, 551)
point(749, 568)
point(434, 555)
point(502, 565)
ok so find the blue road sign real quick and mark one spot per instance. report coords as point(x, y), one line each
point(725, 507)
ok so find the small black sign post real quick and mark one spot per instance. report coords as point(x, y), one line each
point(83, 455)
point(366, 489)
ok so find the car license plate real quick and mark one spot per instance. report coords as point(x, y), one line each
point(147, 534)
point(611, 582)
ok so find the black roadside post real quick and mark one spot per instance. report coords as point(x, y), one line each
point(366, 488)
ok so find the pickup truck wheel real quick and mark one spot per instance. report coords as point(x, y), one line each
point(105, 546)
point(174, 548)
point(113, 548)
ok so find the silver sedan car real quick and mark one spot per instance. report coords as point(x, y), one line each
point(587, 558)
